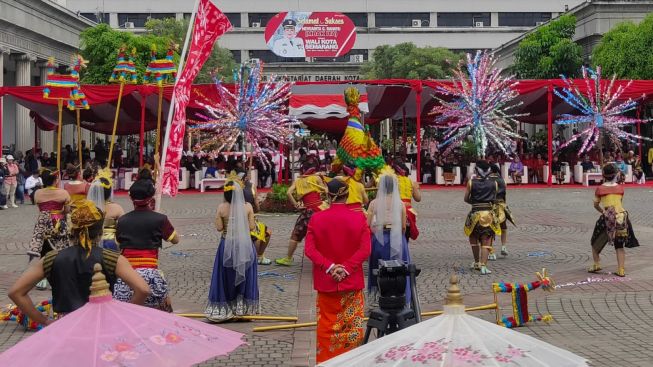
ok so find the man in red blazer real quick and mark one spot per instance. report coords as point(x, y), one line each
point(338, 242)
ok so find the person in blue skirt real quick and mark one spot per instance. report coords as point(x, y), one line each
point(234, 283)
point(386, 216)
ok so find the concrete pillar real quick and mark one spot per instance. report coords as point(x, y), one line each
point(244, 20)
point(46, 138)
point(179, 16)
point(4, 52)
point(244, 55)
point(24, 125)
point(433, 19)
point(494, 19)
point(113, 20)
point(371, 20)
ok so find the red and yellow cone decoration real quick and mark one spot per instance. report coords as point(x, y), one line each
point(357, 148)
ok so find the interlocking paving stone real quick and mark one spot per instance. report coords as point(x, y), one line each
point(607, 322)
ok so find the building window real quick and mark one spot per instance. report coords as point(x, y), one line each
point(236, 55)
point(139, 19)
point(234, 19)
point(262, 18)
point(359, 19)
point(522, 19)
point(351, 56)
point(400, 19)
point(269, 56)
point(463, 19)
point(96, 17)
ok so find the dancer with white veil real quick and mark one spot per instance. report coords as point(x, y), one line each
point(386, 217)
point(101, 194)
point(234, 282)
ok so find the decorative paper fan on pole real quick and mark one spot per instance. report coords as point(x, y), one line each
point(481, 106)
point(161, 71)
point(66, 87)
point(253, 111)
point(125, 69)
point(601, 108)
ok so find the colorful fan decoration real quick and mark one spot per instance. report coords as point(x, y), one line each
point(125, 69)
point(357, 148)
point(253, 111)
point(600, 108)
point(161, 71)
point(66, 86)
point(519, 292)
point(13, 313)
point(480, 106)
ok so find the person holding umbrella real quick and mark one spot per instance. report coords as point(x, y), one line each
point(69, 271)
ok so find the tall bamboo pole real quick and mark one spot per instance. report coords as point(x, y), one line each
point(115, 123)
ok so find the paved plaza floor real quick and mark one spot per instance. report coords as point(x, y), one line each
point(602, 317)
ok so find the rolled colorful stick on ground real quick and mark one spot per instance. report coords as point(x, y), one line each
point(491, 306)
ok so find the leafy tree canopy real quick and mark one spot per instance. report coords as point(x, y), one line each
point(100, 44)
point(549, 51)
point(625, 51)
point(407, 61)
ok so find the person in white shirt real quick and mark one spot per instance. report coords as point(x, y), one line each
point(290, 45)
point(32, 184)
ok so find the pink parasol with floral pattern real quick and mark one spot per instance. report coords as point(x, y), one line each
point(457, 339)
point(105, 332)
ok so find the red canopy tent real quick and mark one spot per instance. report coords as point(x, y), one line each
point(392, 98)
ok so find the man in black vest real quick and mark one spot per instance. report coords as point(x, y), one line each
point(481, 223)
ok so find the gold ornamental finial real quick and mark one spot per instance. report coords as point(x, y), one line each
point(99, 287)
point(454, 298)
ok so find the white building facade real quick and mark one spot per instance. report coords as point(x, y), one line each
point(31, 31)
point(462, 25)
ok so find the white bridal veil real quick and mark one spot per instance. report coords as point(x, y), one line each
point(388, 212)
point(238, 253)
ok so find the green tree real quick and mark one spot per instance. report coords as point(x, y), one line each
point(549, 51)
point(625, 51)
point(221, 59)
point(100, 44)
point(407, 61)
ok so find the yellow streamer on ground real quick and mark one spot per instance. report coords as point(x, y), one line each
point(60, 110)
point(115, 123)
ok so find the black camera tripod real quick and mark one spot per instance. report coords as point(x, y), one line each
point(391, 315)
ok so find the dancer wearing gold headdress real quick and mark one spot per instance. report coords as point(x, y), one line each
point(101, 194)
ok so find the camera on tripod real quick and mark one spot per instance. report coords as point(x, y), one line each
point(392, 314)
point(391, 279)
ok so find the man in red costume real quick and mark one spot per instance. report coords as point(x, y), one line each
point(338, 242)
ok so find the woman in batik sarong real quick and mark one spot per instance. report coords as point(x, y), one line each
point(234, 282)
point(613, 227)
point(140, 234)
point(51, 229)
point(386, 217)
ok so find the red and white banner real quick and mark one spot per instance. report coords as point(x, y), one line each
point(210, 23)
point(310, 34)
